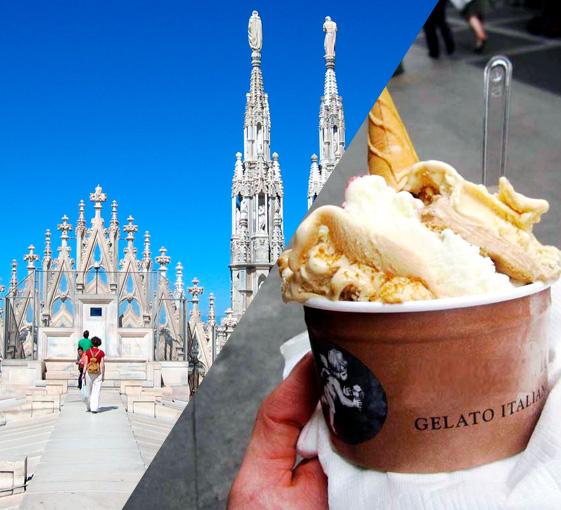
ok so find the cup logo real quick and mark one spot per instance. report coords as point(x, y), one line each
point(353, 401)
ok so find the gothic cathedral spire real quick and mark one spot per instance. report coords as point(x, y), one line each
point(257, 190)
point(331, 120)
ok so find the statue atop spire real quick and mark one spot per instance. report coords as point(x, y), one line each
point(255, 32)
point(330, 29)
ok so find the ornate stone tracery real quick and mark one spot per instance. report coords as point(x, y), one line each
point(137, 311)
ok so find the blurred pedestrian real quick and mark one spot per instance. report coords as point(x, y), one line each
point(437, 22)
point(473, 11)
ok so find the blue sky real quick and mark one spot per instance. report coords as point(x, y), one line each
point(147, 99)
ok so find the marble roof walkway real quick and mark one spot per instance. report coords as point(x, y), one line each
point(90, 460)
point(80, 459)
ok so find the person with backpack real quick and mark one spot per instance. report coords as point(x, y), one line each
point(94, 374)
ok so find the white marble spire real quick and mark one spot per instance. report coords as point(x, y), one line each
point(331, 119)
point(195, 290)
point(163, 259)
point(257, 189)
point(314, 181)
point(31, 257)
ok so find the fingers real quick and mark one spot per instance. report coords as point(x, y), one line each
point(310, 474)
point(280, 419)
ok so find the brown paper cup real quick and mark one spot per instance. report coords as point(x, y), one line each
point(432, 386)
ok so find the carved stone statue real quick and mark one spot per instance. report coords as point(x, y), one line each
point(330, 29)
point(262, 220)
point(255, 32)
point(243, 206)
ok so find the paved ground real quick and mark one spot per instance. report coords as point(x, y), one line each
point(84, 460)
point(441, 103)
point(90, 460)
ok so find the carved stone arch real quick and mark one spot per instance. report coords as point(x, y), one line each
point(129, 273)
point(62, 313)
point(61, 284)
point(97, 240)
point(130, 313)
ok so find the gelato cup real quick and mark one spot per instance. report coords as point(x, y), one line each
point(432, 386)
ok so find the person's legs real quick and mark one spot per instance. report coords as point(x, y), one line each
point(94, 398)
point(89, 385)
point(81, 371)
point(432, 39)
point(442, 25)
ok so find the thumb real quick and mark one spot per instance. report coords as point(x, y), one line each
point(272, 450)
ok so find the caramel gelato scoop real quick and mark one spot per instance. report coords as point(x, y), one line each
point(500, 224)
point(377, 248)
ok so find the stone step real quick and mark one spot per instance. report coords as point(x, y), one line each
point(176, 404)
point(31, 449)
point(13, 476)
point(30, 424)
point(8, 403)
point(10, 502)
point(156, 427)
point(167, 413)
point(9, 441)
point(149, 437)
point(15, 435)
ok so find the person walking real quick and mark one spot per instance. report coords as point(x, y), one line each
point(85, 343)
point(437, 21)
point(473, 11)
point(80, 363)
point(94, 374)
